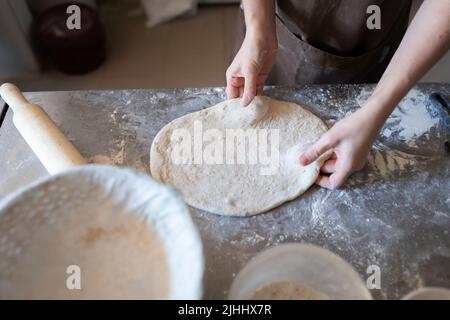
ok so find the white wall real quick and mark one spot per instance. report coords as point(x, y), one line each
point(16, 55)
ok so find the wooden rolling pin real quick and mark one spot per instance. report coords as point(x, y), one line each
point(49, 144)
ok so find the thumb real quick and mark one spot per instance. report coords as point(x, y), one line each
point(316, 150)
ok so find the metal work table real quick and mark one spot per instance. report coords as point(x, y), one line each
point(394, 214)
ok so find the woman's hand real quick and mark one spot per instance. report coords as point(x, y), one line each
point(350, 139)
point(425, 42)
point(255, 58)
point(250, 68)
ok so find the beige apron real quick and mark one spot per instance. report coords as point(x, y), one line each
point(327, 41)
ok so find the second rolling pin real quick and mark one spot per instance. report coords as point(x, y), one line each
point(52, 148)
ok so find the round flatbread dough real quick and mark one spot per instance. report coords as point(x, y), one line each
point(238, 161)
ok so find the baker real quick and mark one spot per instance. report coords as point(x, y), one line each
point(289, 42)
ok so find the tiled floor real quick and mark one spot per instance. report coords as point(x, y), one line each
point(188, 52)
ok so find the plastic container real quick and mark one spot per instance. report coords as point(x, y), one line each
point(430, 293)
point(310, 266)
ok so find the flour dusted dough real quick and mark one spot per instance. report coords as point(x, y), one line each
point(119, 256)
point(129, 236)
point(241, 189)
point(287, 290)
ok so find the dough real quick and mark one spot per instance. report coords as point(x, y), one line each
point(119, 256)
point(120, 233)
point(210, 155)
point(287, 291)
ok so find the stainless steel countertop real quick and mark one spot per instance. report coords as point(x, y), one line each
point(394, 214)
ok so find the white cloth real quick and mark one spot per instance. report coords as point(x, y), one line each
point(160, 11)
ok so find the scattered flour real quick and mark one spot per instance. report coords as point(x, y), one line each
point(386, 162)
point(116, 159)
point(410, 119)
point(101, 159)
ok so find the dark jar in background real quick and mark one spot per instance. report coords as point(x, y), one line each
point(73, 51)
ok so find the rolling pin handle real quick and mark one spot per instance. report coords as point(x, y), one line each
point(52, 148)
point(12, 96)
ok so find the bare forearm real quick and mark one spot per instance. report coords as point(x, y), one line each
point(351, 138)
point(251, 65)
point(425, 42)
point(260, 18)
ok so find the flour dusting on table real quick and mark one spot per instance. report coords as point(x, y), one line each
point(410, 120)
